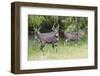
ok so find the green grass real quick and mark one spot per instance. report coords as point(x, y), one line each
point(72, 50)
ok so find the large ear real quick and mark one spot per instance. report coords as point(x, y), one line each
point(53, 28)
point(35, 29)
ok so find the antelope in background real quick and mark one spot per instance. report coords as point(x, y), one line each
point(72, 36)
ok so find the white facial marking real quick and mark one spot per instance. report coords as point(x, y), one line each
point(56, 34)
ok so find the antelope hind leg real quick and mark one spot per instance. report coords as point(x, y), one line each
point(65, 42)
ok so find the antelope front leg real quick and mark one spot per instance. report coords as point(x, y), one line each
point(41, 48)
point(53, 46)
point(56, 46)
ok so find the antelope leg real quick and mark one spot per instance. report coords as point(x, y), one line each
point(56, 46)
point(65, 42)
point(53, 46)
point(41, 48)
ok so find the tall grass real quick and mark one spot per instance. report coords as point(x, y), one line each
point(73, 50)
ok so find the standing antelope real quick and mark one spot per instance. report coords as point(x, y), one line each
point(50, 37)
point(73, 36)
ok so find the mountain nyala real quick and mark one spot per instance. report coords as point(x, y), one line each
point(73, 36)
point(49, 38)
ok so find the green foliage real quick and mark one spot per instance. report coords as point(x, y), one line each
point(75, 23)
point(36, 21)
point(67, 23)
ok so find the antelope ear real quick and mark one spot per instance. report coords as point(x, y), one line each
point(35, 29)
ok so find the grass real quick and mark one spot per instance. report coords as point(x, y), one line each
point(72, 50)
